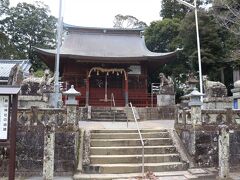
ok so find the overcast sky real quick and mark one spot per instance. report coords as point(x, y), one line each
point(100, 13)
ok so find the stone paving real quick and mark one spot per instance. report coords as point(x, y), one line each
point(150, 124)
point(175, 175)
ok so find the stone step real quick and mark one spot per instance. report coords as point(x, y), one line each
point(102, 109)
point(130, 142)
point(177, 175)
point(134, 168)
point(121, 150)
point(129, 135)
point(108, 113)
point(161, 175)
point(148, 158)
point(108, 120)
point(127, 130)
point(109, 116)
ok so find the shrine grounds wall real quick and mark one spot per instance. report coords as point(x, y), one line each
point(206, 136)
point(31, 124)
point(207, 147)
point(154, 113)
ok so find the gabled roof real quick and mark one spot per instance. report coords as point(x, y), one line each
point(104, 44)
point(7, 64)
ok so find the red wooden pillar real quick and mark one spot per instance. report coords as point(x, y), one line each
point(87, 89)
point(126, 89)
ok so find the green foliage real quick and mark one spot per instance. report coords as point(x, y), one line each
point(4, 5)
point(128, 21)
point(39, 73)
point(213, 43)
point(7, 49)
point(27, 26)
point(227, 14)
point(162, 36)
point(173, 9)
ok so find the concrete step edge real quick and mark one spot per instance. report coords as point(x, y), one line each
point(133, 147)
point(138, 164)
point(133, 155)
point(109, 130)
point(131, 133)
point(148, 139)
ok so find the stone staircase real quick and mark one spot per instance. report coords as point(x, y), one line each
point(108, 114)
point(117, 152)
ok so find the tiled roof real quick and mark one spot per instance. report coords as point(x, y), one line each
point(105, 43)
point(7, 64)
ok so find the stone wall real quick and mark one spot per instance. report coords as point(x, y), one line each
point(31, 124)
point(206, 135)
point(157, 113)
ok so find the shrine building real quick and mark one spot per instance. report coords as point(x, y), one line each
point(106, 64)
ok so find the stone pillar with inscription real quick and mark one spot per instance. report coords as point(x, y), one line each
point(223, 152)
point(48, 158)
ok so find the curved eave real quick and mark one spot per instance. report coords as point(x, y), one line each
point(149, 57)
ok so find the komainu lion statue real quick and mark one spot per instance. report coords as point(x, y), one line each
point(214, 88)
point(37, 85)
point(165, 81)
point(212, 84)
point(166, 84)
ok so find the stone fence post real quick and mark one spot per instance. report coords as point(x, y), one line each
point(48, 156)
point(49, 133)
point(223, 152)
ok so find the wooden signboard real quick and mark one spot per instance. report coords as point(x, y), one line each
point(4, 117)
point(8, 119)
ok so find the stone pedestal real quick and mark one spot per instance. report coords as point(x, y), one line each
point(166, 96)
point(27, 101)
point(72, 115)
point(223, 152)
point(196, 115)
point(165, 100)
point(217, 102)
point(216, 91)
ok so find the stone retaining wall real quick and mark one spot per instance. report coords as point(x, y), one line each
point(31, 124)
point(154, 113)
point(206, 135)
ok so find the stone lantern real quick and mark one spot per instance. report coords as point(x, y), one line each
point(71, 96)
point(195, 104)
point(195, 98)
point(71, 104)
point(196, 116)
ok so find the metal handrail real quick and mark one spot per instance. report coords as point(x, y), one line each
point(112, 100)
point(113, 105)
point(140, 135)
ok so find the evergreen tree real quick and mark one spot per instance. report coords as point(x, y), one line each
point(213, 40)
point(128, 21)
point(27, 26)
point(162, 36)
point(172, 9)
